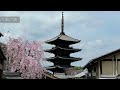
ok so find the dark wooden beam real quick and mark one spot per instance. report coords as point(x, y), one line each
point(100, 67)
point(111, 59)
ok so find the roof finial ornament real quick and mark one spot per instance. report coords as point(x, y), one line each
point(62, 24)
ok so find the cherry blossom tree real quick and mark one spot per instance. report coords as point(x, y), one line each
point(25, 57)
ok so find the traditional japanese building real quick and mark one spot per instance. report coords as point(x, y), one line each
point(62, 51)
point(2, 58)
point(106, 66)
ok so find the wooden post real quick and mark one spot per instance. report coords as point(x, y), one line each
point(116, 68)
point(113, 65)
point(99, 69)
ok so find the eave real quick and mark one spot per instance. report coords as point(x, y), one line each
point(63, 38)
point(64, 49)
point(63, 58)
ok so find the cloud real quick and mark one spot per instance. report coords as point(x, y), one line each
point(97, 30)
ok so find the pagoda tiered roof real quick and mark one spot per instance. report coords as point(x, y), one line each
point(57, 67)
point(57, 58)
point(62, 50)
point(55, 49)
point(54, 68)
point(63, 38)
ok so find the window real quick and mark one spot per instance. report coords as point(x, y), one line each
point(94, 69)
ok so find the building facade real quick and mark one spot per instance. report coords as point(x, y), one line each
point(2, 58)
point(106, 66)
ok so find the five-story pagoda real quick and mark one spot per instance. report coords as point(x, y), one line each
point(62, 51)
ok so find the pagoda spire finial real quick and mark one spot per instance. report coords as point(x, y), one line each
point(62, 24)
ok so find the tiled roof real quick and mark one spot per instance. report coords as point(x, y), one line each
point(64, 38)
point(102, 56)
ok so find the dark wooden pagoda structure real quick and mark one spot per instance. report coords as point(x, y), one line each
point(62, 51)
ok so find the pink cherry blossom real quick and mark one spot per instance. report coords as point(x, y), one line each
point(25, 57)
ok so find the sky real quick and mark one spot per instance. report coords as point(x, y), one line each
point(99, 31)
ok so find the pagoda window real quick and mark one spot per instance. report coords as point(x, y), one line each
point(63, 45)
point(56, 63)
point(63, 54)
point(94, 71)
point(65, 63)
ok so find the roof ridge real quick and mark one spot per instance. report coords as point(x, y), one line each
point(101, 56)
